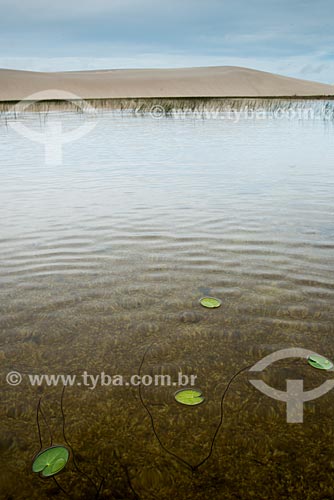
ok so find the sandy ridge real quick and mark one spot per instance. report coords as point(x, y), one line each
point(224, 81)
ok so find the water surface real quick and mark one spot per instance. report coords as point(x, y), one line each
point(106, 256)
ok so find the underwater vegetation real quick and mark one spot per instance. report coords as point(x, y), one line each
point(52, 460)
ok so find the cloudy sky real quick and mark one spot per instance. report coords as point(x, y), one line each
point(291, 37)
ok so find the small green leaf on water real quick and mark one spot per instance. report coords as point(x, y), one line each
point(210, 302)
point(189, 397)
point(50, 461)
point(320, 362)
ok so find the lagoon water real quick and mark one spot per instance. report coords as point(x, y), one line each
point(104, 258)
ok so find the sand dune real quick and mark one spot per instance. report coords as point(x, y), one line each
point(225, 81)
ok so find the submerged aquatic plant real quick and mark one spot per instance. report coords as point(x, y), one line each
point(48, 462)
point(181, 460)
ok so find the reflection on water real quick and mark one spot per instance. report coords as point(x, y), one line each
point(107, 256)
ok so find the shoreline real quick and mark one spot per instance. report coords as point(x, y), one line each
point(305, 106)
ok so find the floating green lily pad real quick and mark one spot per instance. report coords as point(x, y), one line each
point(210, 302)
point(189, 397)
point(50, 461)
point(320, 362)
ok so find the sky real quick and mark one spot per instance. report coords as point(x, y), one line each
point(289, 37)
